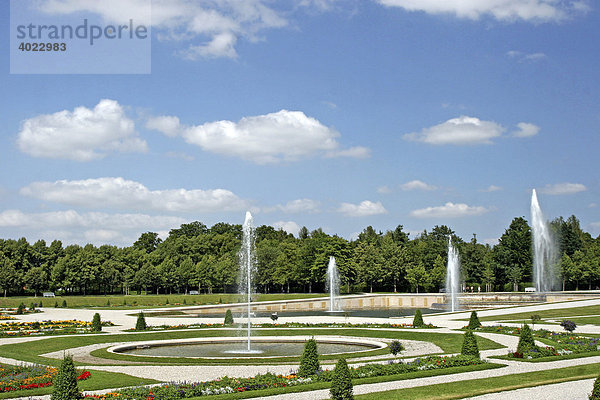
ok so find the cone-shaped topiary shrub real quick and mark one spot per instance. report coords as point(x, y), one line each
point(309, 362)
point(474, 321)
point(596, 391)
point(96, 323)
point(64, 383)
point(469, 347)
point(228, 318)
point(526, 341)
point(64, 304)
point(418, 319)
point(20, 309)
point(341, 385)
point(140, 324)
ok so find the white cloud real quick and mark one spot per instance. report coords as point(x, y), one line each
point(563, 188)
point(207, 28)
point(365, 208)
point(526, 57)
point(168, 125)
point(300, 206)
point(281, 136)
point(416, 185)
point(288, 226)
point(120, 193)
point(592, 205)
point(183, 156)
point(384, 189)
point(492, 188)
point(449, 210)
point(526, 130)
point(459, 131)
point(502, 10)
point(80, 135)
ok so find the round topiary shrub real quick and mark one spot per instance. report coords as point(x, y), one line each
point(64, 383)
point(341, 385)
point(526, 341)
point(96, 323)
point(469, 346)
point(309, 362)
point(140, 324)
point(596, 391)
point(474, 321)
point(395, 347)
point(228, 318)
point(418, 319)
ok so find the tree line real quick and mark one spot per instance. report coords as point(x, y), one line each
point(197, 257)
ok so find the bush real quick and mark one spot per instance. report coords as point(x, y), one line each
point(20, 309)
point(568, 325)
point(140, 324)
point(64, 304)
point(418, 319)
point(228, 318)
point(596, 391)
point(469, 346)
point(65, 382)
point(309, 362)
point(474, 321)
point(41, 304)
point(96, 323)
point(526, 341)
point(56, 304)
point(396, 347)
point(341, 386)
point(108, 303)
point(32, 307)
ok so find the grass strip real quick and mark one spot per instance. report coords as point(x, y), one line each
point(476, 387)
point(562, 313)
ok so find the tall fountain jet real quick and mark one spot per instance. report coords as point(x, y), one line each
point(544, 249)
point(247, 267)
point(452, 275)
point(333, 285)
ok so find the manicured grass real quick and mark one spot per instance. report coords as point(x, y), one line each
point(476, 387)
point(30, 351)
point(551, 358)
point(98, 380)
point(147, 301)
point(586, 320)
point(559, 313)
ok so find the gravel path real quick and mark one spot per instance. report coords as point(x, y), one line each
point(576, 390)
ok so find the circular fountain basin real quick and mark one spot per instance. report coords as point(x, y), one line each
point(235, 347)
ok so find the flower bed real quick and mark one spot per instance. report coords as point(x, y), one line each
point(285, 325)
point(23, 377)
point(268, 381)
point(21, 328)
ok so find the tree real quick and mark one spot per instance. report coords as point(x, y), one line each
point(396, 347)
point(513, 252)
point(469, 346)
point(309, 362)
point(8, 275)
point(417, 276)
point(96, 323)
point(140, 324)
point(341, 385)
point(64, 383)
point(147, 242)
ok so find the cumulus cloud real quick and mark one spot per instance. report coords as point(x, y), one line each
point(168, 125)
point(526, 57)
point(81, 134)
point(300, 206)
point(206, 28)
point(416, 185)
point(563, 188)
point(458, 131)
point(502, 10)
point(492, 188)
point(384, 190)
point(288, 226)
point(526, 130)
point(364, 209)
point(449, 210)
point(270, 138)
point(120, 193)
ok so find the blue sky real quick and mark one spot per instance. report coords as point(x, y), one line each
point(333, 114)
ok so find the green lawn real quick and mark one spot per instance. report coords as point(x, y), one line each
point(560, 313)
point(147, 301)
point(30, 351)
point(476, 387)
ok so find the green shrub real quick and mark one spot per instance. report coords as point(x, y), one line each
point(309, 362)
point(64, 383)
point(64, 304)
point(96, 323)
point(418, 319)
point(41, 304)
point(526, 341)
point(140, 324)
point(20, 309)
point(56, 304)
point(596, 391)
point(469, 346)
point(341, 386)
point(228, 318)
point(395, 347)
point(32, 307)
point(474, 321)
point(108, 303)
point(568, 325)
